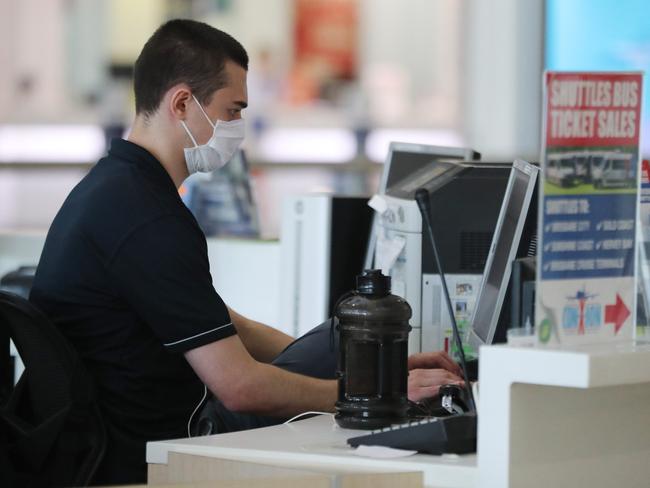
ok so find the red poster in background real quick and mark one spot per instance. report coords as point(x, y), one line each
point(326, 36)
point(595, 109)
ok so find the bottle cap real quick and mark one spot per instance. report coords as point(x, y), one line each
point(373, 282)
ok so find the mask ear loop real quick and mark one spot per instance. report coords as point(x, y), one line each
point(203, 111)
point(189, 133)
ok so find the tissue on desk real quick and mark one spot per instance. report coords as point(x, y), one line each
point(381, 452)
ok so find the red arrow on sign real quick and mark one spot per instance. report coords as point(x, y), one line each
point(617, 313)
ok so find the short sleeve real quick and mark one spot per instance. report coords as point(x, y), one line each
point(162, 271)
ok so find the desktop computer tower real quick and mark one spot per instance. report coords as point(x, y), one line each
point(464, 213)
point(467, 264)
point(437, 332)
point(323, 245)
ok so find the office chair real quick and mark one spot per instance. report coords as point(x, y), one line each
point(51, 430)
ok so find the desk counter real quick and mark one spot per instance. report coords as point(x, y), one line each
point(315, 443)
point(547, 417)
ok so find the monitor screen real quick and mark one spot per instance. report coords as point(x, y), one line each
point(406, 159)
point(435, 173)
point(505, 244)
point(403, 161)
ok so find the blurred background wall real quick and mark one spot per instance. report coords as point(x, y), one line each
point(331, 83)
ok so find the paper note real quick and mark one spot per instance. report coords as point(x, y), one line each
point(388, 250)
point(378, 204)
point(381, 452)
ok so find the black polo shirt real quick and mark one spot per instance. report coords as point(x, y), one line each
point(125, 276)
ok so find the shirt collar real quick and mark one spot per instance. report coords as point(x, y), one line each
point(133, 153)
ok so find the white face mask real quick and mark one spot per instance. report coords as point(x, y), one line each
point(219, 150)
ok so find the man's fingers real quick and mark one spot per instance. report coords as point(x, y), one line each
point(422, 393)
point(439, 359)
point(450, 364)
point(427, 377)
point(426, 383)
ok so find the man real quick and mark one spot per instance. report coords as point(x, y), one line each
point(124, 272)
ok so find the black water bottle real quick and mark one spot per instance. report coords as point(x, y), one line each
point(372, 364)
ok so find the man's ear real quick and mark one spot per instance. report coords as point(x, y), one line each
point(179, 98)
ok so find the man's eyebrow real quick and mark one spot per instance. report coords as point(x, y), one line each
point(241, 104)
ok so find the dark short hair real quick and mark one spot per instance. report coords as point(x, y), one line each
point(183, 51)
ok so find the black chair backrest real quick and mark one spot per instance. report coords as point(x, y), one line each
point(53, 430)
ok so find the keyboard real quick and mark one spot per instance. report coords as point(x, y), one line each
point(434, 435)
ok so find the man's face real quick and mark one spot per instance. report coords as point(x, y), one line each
point(226, 104)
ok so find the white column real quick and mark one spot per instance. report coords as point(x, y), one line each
point(503, 77)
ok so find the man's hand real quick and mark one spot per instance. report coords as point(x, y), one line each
point(426, 383)
point(428, 372)
point(431, 360)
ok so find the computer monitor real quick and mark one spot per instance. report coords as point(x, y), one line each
point(404, 160)
point(514, 221)
point(465, 202)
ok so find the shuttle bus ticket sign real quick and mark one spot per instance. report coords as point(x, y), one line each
point(586, 265)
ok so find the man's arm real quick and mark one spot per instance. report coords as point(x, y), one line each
point(243, 384)
point(264, 343)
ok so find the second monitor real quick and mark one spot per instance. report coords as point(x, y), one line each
point(515, 235)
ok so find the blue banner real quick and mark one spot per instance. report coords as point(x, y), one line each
point(588, 236)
